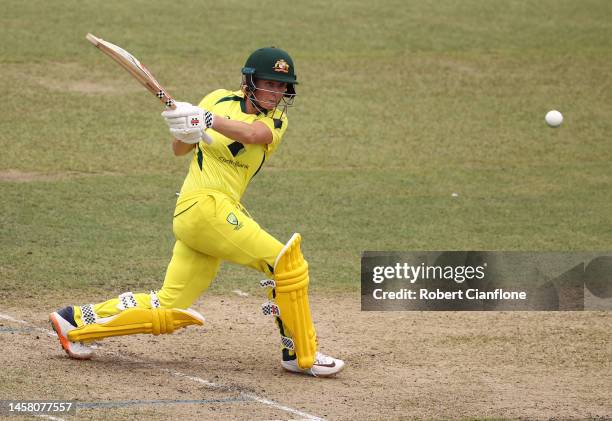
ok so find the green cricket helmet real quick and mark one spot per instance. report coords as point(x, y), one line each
point(270, 63)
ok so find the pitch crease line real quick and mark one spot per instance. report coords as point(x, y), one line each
point(250, 396)
point(246, 395)
point(49, 417)
point(39, 329)
point(124, 404)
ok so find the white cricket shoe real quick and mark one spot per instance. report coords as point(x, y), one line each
point(324, 366)
point(62, 322)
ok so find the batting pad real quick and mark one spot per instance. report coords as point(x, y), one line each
point(138, 320)
point(291, 279)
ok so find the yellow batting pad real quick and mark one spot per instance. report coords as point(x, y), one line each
point(291, 278)
point(138, 320)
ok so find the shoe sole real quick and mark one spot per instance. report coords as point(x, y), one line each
point(63, 340)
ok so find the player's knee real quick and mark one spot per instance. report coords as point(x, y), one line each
point(173, 299)
point(290, 262)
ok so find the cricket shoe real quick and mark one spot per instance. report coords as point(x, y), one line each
point(324, 366)
point(62, 322)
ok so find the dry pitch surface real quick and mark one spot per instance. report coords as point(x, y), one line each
point(400, 365)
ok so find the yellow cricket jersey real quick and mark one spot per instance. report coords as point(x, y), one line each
point(227, 165)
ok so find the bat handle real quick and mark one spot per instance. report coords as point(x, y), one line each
point(163, 96)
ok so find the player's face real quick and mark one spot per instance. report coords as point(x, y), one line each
point(269, 92)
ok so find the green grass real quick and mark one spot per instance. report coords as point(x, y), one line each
point(400, 105)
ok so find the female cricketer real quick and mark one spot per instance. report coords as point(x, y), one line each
point(230, 136)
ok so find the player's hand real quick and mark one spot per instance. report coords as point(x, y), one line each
point(190, 136)
point(188, 123)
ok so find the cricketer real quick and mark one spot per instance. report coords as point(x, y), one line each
point(210, 225)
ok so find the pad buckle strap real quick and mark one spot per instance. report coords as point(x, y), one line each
point(270, 309)
point(126, 300)
point(154, 300)
point(287, 342)
point(267, 283)
point(88, 315)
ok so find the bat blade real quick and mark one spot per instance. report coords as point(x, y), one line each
point(134, 67)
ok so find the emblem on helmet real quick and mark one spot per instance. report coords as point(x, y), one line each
point(281, 66)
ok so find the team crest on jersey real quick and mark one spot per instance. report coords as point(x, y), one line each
point(281, 66)
point(232, 219)
point(195, 121)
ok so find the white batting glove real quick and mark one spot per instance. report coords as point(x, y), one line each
point(190, 136)
point(188, 123)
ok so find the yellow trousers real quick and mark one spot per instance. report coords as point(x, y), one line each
point(209, 227)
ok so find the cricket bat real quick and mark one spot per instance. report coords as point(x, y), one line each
point(138, 72)
point(134, 67)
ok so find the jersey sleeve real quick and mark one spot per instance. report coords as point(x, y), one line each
point(209, 101)
point(277, 126)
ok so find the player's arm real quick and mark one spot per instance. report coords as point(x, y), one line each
point(246, 133)
point(188, 123)
point(179, 148)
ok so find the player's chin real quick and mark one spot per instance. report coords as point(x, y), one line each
point(269, 105)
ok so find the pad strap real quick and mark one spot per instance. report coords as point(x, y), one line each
point(270, 309)
point(88, 315)
point(267, 283)
point(154, 300)
point(127, 300)
point(287, 343)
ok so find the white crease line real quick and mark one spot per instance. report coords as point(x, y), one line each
point(251, 396)
point(49, 417)
point(39, 329)
point(240, 293)
point(5, 317)
point(281, 407)
point(210, 384)
point(292, 419)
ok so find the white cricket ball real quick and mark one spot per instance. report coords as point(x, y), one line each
point(554, 118)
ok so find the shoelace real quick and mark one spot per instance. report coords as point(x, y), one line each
point(322, 359)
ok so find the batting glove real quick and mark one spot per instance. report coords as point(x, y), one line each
point(190, 136)
point(188, 123)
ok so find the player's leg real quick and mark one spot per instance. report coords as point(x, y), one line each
point(218, 226)
point(189, 274)
point(289, 304)
point(246, 243)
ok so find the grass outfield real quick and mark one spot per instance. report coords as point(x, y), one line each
point(401, 104)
